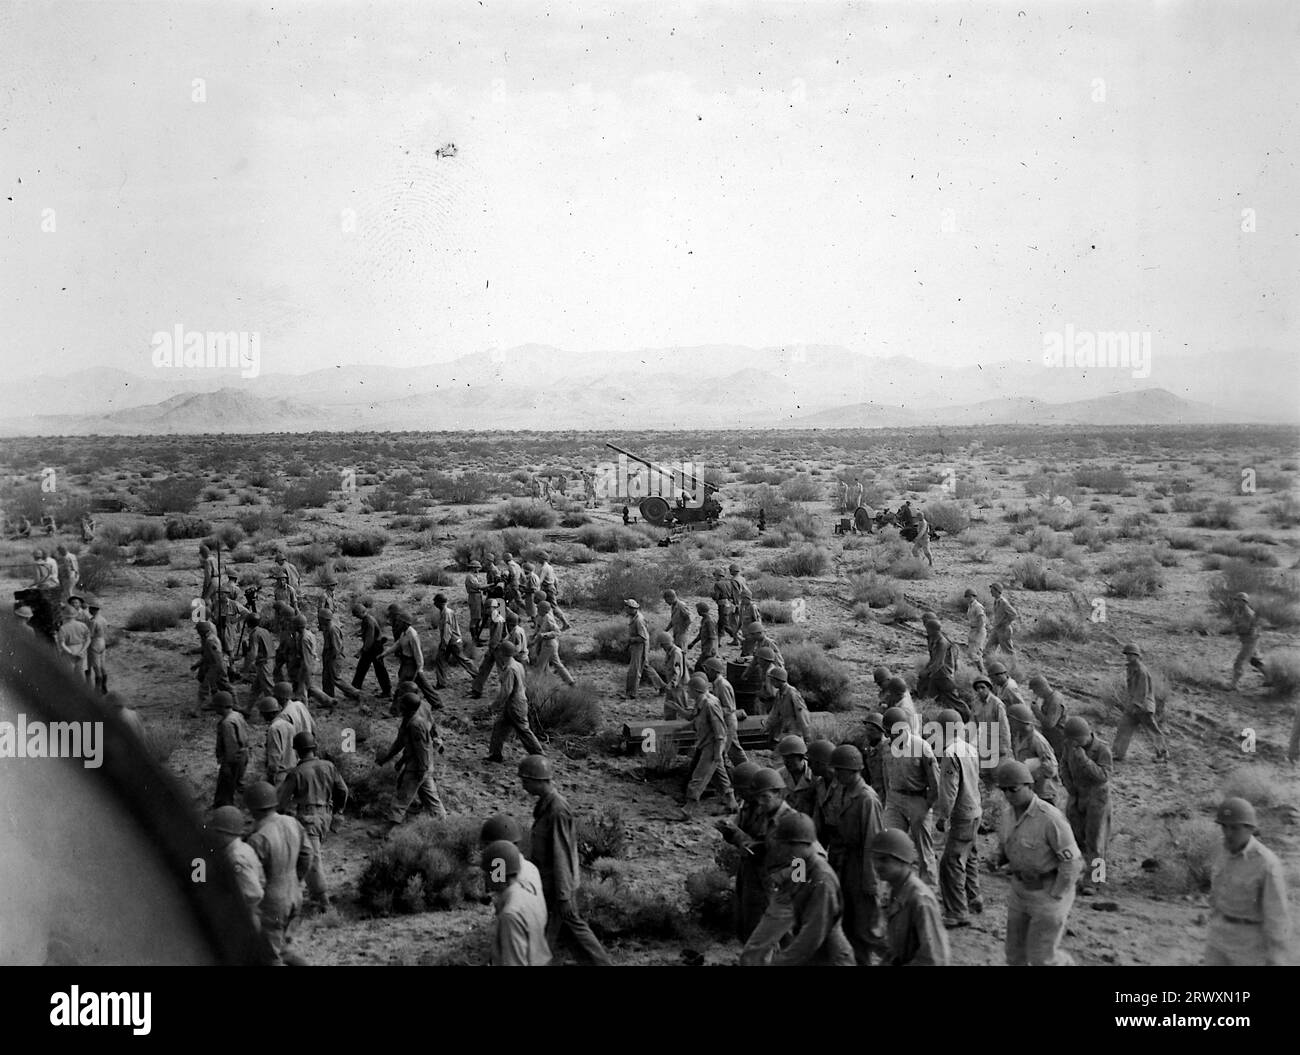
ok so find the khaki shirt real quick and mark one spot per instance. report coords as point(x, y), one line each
point(315, 782)
point(976, 617)
point(519, 934)
point(911, 768)
point(914, 931)
point(279, 749)
point(281, 847)
point(248, 872)
point(553, 846)
point(1039, 841)
point(959, 783)
point(1033, 745)
point(1086, 770)
point(1140, 691)
point(1250, 886)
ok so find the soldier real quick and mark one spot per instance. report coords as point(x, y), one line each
point(328, 583)
point(211, 667)
point(1030, 746)
point(496, 634)
point(1049, 710)
point(875, 749)
point(232, 750)
point(912, 779)
point(519, 930)
point(638, 636)
point(679, 619)
point(1085, 769)
point(943, 656)
point(896, 694)
point(707, 638)
point(293, 709)
point(808, 906)
point(278, 752)
point(87, 526)
point(958, 812)
point(516, 635)
point(553, 847)
point(514, 575)
point(844, 496)
point(474, 596)
point(550, 581)
point(800, 789)
point(449, 648)
point(530, 588)
point(417, 739)
point(761, 663)
point(1245, 624)
point(1139, 708)
point(704, 711)
point(921, 544)
point(500, 826)
point(789, 714)
point(751, 622)
point(1036, 841)
point(823, 780)
point(763, 791)
point(726, 694)
point(512, 701)
point(69, 571)
point(990, 728)
point(410, 655)
point(47, 574)
point(309, 665)
point(281, 848)
point(722, 597)
point(913, 934)
point(289, 573)
point(315, 792)
point(674, 676)
point(1005, 686)
point(977, 630)
point(847, 823)
point(74, 642)
point(227, 826)
point(208, 568)
point(332, 657)
point(1003, 618)
point(859, 492)
point(881, 675)
point(1250, 921)
point(548, 644)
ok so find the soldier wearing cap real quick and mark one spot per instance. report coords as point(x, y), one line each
point(990, 728)
point(914, 936)
point(752, 833)
point(548, 643)
point(278, 749)
point(417, 739)
point(958, 812)
point(789, 713)
point(331, 672)
point(1049, 711)
point(1030, 746)
point(1245, 624)
point(912, 779)
point(519, 930)
point(716, 669)
point(227, 826)
point(1085, 770)
point(977, 631)
point(1044, 861)
point(638, 641)
point(800, 786)
point(474, 596)
point(315, 793)
point(232, 750)
point(847, 821)
point(1250, 922)
point(803, 921)
point(704, 711)
point(1004, 617)
point(281, 847)
point(1139, 708)
point(24, 613)
point(372, 651)
point(553, 847)
point(512, 701)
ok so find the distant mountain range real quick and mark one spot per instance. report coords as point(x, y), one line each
point(722, 386)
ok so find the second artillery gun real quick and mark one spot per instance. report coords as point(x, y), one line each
point(673, 510)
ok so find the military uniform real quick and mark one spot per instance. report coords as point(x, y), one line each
point(848, 820)
point(279, 749)
point(415, 739)
point(810, 910)
point(1250, 922)
point(710, 749)
point(372, 651)
point(1031, 744)
point(914, 933)
point(1051, 715)
point(789, 714)
point(800, 790)
point(912, 776)
point(232, 758)
point(512, 716)
point(260, 661)
point(281, 849)
point(449, 647)
point(726, 695)
point(1139, 713)
point(314, 789)
point(248, 874)
point(1086, 774)
point(1245, 624)
point(679, 623)
point(752, 835)
point(1004, 616)
point(553, 848)
point(1038, 844)
point(990, 731)
point(977, 634)
point(519, 932)
point(548, 648)
point(960, 808)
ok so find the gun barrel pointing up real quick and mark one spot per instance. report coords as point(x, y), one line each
point(708, 487)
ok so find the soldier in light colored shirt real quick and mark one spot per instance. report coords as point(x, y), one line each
point(1250, 921)
point(977, 634)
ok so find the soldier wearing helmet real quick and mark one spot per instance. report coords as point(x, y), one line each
point(1139, 707)
point(875, 749)
point(716, 669)
point(1044, 861)
point(990, 727)
point(881, 675)
point(1030, 746)
point(726, 600)
point(803, 922)
point(1250, 921)
point(449, 647)
point(232, 750)
point(227, 827)
point(679, 619)
point(293, 709)
point(943, 658)
point(316, 794)
point(1004, 617)
point(502, 826)
point(305, 665)
point(746, 610)
point(914, 936)
point(800, 789)
point(761, 663)
point(1049, 710)
point(789, 713)
point(278, 747)
point(519, 930)
point(977, 631)
point(553, 846)
point(638, 644)
point(331, 668)
point(548, 644)
point(847, 823)
point(1085, 770)
point(752, 834)
point(281, 848)
point(706, 637)
point(675, 673)
point(1245, 624)
point(819, 764)
point(410, 654)
point(896, 694)
point(709, 764)
point(912, 782)
point(417, 739)
point(512, 704)
point(958, 811)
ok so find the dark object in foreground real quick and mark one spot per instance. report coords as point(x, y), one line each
point(679, 736)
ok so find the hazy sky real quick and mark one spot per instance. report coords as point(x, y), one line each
point(644, 175)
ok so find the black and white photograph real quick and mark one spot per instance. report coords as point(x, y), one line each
point(662, 483)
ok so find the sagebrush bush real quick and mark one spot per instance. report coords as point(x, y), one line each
point(363, 543)
point(1133, 575)
point(428, 863)
point(1275, 596)
point(573, 709)
point(712, 898)
point(616, 912)
point(1252, 552)
point(602, 835)
point(183, 527)
point(433, 576)
point(1187, 853)
point(1220, 515)
point(611, 538)
point(1282, 673)
point(764, 587)
point(175, 494)
point(311, 493)
point(740, 530)
point(1032, 574)
point(800, 561)
point(822, 680)
point(310, 557)
point(387, 580)
point(801, 488)
point(1261, 785)
point(610, 640)
point(524, 512)
point(873, 590)
point(157, 615)
point(1184, 540)
point(948, 518)
point(98, 572)
point(805, 525)
point(1052, 626)
point(776, 611)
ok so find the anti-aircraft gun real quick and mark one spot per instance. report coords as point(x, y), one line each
point(676, 508)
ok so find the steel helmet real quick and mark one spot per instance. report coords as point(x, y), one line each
point(282, 690)
point(300, 622)
point(795, 828)
point(498, 853)
point(536, 767)
point(500, 827)
point(222, 700)
point(846, 756)
point(880, 674)
point(718, 573)
point(893, 717)
point(1040, 684)
point(260, 796)
point(995, 587)
point(779, 674)
point(227, 819)
point(702, 607)
point(1235, 597)
point(893, 843)
point(1236, 811)
point(874, 718)
point(969, 592)
point(268, 705)
point(1012, 774)
point(791, 745)
point(1132, 650)
point(1076, 725)
point(543, 606)
point(716, 665)
point(304, 741)
point(996, 667)
point(663, 639)
point(734, 569)
point(507, 648)
point(896, 684)
point(766, 652)
point(930, 619)
point(754, 628)
point(698, 683)
point(948, 717)
point(766, 780)
point(980, 679)
point(821, 751)
point(670, 595)
point(743, 774)
point(1020, 712)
